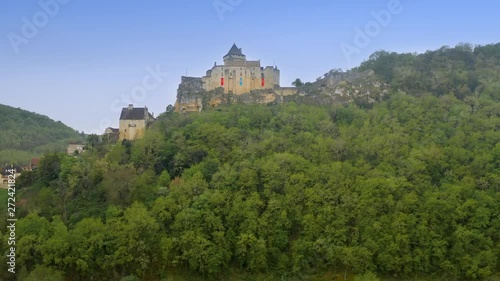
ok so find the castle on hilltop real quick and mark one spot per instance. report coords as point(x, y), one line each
point(237, 76)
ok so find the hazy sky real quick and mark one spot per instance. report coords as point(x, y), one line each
point(80, 61)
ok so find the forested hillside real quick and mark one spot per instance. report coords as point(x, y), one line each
point(25, 134)
point(462, 71)
point(406, 189)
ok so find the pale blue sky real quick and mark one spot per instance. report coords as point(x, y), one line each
point(86, 58)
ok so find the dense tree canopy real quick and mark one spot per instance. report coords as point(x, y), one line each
point(409, 188)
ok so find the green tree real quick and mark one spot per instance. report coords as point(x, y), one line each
point(42, 273)
point(297, 83)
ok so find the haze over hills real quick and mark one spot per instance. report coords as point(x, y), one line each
point(25, 134)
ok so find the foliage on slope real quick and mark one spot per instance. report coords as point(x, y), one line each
point(408, 188)
point(462, 71)
point(26, 134)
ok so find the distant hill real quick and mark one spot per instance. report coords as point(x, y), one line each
point(27, 134)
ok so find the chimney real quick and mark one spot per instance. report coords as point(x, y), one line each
point(130, 106)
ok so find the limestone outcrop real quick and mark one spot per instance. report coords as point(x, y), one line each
point(335, 87)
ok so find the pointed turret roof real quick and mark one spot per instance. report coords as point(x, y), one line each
point(235, 51)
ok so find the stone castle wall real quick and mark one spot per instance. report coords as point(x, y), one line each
point(241, 77)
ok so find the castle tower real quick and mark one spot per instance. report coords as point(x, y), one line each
point(234, 55)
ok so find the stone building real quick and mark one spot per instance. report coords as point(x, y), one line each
point(237, 76)
point(73, 148)
point(134, 122)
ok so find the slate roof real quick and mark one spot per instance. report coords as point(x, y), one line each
point(235, 51)
point(133, 114)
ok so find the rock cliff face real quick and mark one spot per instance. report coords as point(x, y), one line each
point(334, 88)
point(189, 94)
point(341, 88)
